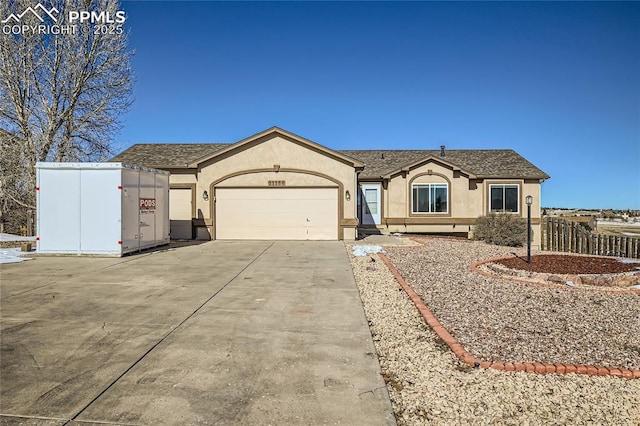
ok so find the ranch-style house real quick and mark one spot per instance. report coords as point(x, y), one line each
point(279, 186)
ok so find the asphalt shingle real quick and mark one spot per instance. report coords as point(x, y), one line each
point(498, 163)
point(484, 163)
point(166, 155)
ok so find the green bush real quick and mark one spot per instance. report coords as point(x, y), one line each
point(502, 229)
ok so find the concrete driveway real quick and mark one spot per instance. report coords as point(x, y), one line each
point(217, 333)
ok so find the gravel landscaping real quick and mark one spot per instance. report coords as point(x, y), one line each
point(499, 320)
point(496, 319)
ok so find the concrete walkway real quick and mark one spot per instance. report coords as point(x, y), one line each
point(218, 333)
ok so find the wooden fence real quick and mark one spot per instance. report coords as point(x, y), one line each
point(564, 235)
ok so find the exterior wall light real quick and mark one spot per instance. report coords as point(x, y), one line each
point(205, 195)
point(529, 201)
point(347, 195)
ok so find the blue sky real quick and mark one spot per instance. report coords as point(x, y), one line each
point(557, 82)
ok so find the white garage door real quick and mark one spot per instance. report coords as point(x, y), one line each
point(277, 213)
point(180, 212)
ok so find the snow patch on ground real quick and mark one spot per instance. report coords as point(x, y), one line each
point(365, 250)
point(12, 255)
point(628, 261)
point(11, 237)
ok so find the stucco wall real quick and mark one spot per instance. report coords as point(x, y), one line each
point(255, 164)
point(468, 199)
point(463, 201)
point(177, 178)
point(263, 179)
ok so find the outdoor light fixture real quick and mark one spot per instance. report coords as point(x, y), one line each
point(347, 195)
point(529, 201)
point(205, 195)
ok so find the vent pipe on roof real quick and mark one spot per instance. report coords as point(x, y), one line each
point(442, 151)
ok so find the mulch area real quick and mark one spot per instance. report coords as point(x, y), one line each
point(568, 264)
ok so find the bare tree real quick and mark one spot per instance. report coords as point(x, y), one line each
point(61, 92)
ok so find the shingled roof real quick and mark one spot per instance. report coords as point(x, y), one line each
point(499, 163)
point(167, 155)
point(482, 163)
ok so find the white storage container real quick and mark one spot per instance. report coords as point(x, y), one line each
point(100, 208)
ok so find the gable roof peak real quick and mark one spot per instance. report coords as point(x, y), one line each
point(263, 136)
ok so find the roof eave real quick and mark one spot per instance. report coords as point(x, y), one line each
point(538, 177)
point(407, 167)
point(276, 130)
point(172, 166)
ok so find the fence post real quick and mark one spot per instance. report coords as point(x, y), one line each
point(624, 249)
point(619, 243)
point(570, 235)
point(548, 236)
point(30, 223)
point(561, 229)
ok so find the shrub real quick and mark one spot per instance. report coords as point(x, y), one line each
point(502, 229)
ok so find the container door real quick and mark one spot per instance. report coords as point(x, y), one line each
point(162, 208)
point(147, 207)
point(58, 211)
point(100, 211)
point(130, 210)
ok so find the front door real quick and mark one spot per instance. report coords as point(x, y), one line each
point(370, 205)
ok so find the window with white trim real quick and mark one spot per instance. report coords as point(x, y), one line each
point(504, 198)
point(430, 198)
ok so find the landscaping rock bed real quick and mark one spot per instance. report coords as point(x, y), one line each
point(501, 320)
point(573, 270)
point(622, 281)
point(428, 385)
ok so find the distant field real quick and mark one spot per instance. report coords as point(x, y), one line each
point(623, 231)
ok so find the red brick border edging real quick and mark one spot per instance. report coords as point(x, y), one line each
point(475, 267)
point(465, 356)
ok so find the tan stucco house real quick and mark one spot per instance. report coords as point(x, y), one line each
point(277, 185)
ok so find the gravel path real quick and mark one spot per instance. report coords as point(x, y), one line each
point(429, 385)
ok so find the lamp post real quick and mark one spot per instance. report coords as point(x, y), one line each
point(529, 201)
